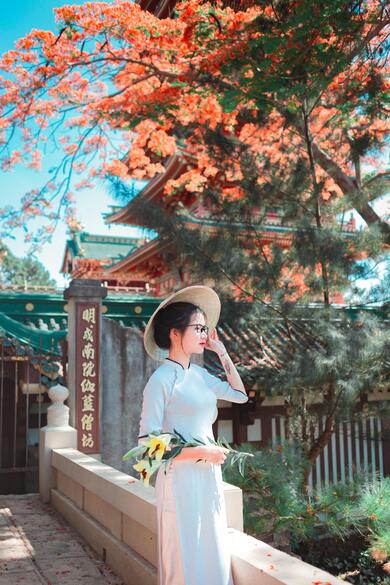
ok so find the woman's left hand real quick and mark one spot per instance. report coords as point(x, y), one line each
point(214, 344)
point(232, 375)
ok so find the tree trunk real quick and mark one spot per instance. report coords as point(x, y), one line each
point(323, 439)
point(316, 449)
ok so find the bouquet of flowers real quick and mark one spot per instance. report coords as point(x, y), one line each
point(160, 449)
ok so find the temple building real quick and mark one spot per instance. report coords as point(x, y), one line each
point(92, 256)
point(155, 265)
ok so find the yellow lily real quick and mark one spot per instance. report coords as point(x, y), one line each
point(157, 446)
point(145, 470)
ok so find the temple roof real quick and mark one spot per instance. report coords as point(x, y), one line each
point(270, 349)
point(272, 230)
point(96, 247)
point(152, 191)
point(43, 341)
point(45, 309)
point(39, 318)
point(145, 252)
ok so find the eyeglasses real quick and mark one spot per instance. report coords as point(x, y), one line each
point(200, 328)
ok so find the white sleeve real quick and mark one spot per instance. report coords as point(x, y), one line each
point(224, 390)
point(153, 405)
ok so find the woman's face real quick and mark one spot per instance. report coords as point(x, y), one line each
point(194, 336)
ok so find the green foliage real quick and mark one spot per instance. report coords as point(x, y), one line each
point(380, 540)
point(374, 501)
point(354, 564)
point(276, 502)
point(22, 271)
point(378, 292)
point(299, 51)
point(323, 350)
point(288, 281)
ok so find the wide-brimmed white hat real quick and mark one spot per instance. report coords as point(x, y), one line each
point(202, 296)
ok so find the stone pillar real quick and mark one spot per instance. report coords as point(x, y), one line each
point(84, 339)
point(57, 434)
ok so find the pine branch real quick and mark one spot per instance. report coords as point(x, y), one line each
point(384, 176)
point(252, 295)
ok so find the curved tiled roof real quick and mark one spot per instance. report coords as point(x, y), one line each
point(153, 190)
point(258, 354)
point(143, 253)
point(41, 340)
point(39, 318)
point(99, 247)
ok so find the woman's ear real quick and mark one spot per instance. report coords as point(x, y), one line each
point(174, 335)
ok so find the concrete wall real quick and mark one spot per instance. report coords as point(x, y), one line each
point(125, 368)
point(116, 515)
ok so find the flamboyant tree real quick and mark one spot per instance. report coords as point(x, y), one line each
point(281, 106)
point(291, 88)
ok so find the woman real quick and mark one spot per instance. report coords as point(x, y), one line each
point(192, 531)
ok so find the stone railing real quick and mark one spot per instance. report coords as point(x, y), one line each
point(116, 514)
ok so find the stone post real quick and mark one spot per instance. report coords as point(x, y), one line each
point(84, 298)
point(57, 434)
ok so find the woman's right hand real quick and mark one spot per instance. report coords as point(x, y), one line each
point(214, 454)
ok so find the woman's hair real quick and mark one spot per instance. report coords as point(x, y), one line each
point(174, 316)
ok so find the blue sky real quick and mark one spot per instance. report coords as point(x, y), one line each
point(18, 18)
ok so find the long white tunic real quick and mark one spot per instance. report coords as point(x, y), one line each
point(192, 527)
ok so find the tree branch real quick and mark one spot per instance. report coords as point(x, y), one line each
point(384, 175)
point(349, 186)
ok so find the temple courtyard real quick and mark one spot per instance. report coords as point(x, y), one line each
point(38, 547)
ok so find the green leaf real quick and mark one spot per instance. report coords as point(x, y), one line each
point(230, 100)
point(134, 452)
point(179, 84)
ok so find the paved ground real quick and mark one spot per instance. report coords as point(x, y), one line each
point(37, 547)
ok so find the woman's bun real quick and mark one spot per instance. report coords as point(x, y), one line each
point(161, 331)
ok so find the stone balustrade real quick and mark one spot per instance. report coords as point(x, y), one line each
point(116, 514)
